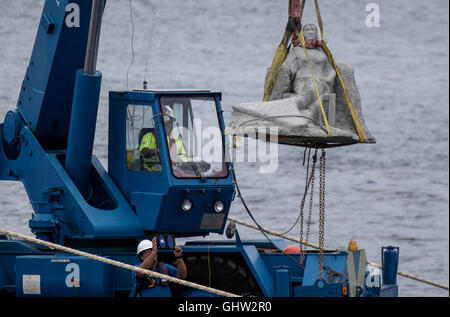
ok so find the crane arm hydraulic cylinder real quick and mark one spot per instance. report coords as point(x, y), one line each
point(85, 107)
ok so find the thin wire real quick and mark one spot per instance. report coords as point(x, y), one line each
point(306, 187)
point(261, 229)
point(284, 116)
point(149, 45)
point(132, 43)
point(209, 267)
point(129, 68)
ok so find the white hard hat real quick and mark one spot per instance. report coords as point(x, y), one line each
point(168, 113)
point(144, 245)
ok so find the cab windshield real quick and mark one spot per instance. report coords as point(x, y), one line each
point(194, 137)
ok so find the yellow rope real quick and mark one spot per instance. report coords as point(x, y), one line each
point(359, 130)
point(302, 39)
point(278, 60)
point(327, 51)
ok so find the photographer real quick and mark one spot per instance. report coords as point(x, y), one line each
point(147, 286)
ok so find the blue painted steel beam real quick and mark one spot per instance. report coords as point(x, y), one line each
point(82, 128)
point(60, 209)
point(59, 50)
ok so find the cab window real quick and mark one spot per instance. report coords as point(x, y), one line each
point(142, 149)
point(194, 137)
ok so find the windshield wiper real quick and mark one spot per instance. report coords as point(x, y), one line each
point(197, 169)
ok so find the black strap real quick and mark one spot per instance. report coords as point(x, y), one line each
point(151, 283)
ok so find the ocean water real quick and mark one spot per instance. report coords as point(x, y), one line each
point(393, 193)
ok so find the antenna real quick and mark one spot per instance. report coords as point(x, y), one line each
point(132, 42)
point(149, 49)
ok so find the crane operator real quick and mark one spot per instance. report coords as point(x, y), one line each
point(149, 147)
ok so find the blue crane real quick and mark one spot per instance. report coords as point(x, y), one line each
point(172, 191)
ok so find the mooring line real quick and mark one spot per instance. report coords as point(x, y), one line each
point(413, 277)
point(190, 284)
point(116, 263)
point(274, 233)
point(315, 246)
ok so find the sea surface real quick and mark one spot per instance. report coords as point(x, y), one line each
point(395, 192)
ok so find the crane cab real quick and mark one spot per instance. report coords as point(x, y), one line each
point(167, 155)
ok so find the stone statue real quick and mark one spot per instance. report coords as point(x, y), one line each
point(294, 107)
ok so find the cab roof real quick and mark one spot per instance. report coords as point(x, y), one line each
point(150, 95)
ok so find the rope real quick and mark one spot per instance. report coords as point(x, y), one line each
point(302, 39)
point(414, 277)
point(302, 8)
point(190, 284)
point(280, 56)
point(319, 19)
point(276, 234)
point(315, 246)
point(116, 263)
point(359, 130)
point(327, 51)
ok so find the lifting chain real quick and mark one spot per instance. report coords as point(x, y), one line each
point(309, 186)
point(322, 169)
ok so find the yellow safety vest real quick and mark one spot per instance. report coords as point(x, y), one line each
point(149, 141)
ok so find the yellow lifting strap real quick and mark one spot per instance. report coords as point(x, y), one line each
point(359, 130)
point(327, 51)
point(302, 39)
point(278, 60)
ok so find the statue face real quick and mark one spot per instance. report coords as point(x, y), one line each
point(310, 32)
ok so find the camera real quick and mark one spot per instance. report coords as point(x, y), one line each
point(165, 241)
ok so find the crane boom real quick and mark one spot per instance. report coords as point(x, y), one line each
point(46, 95)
